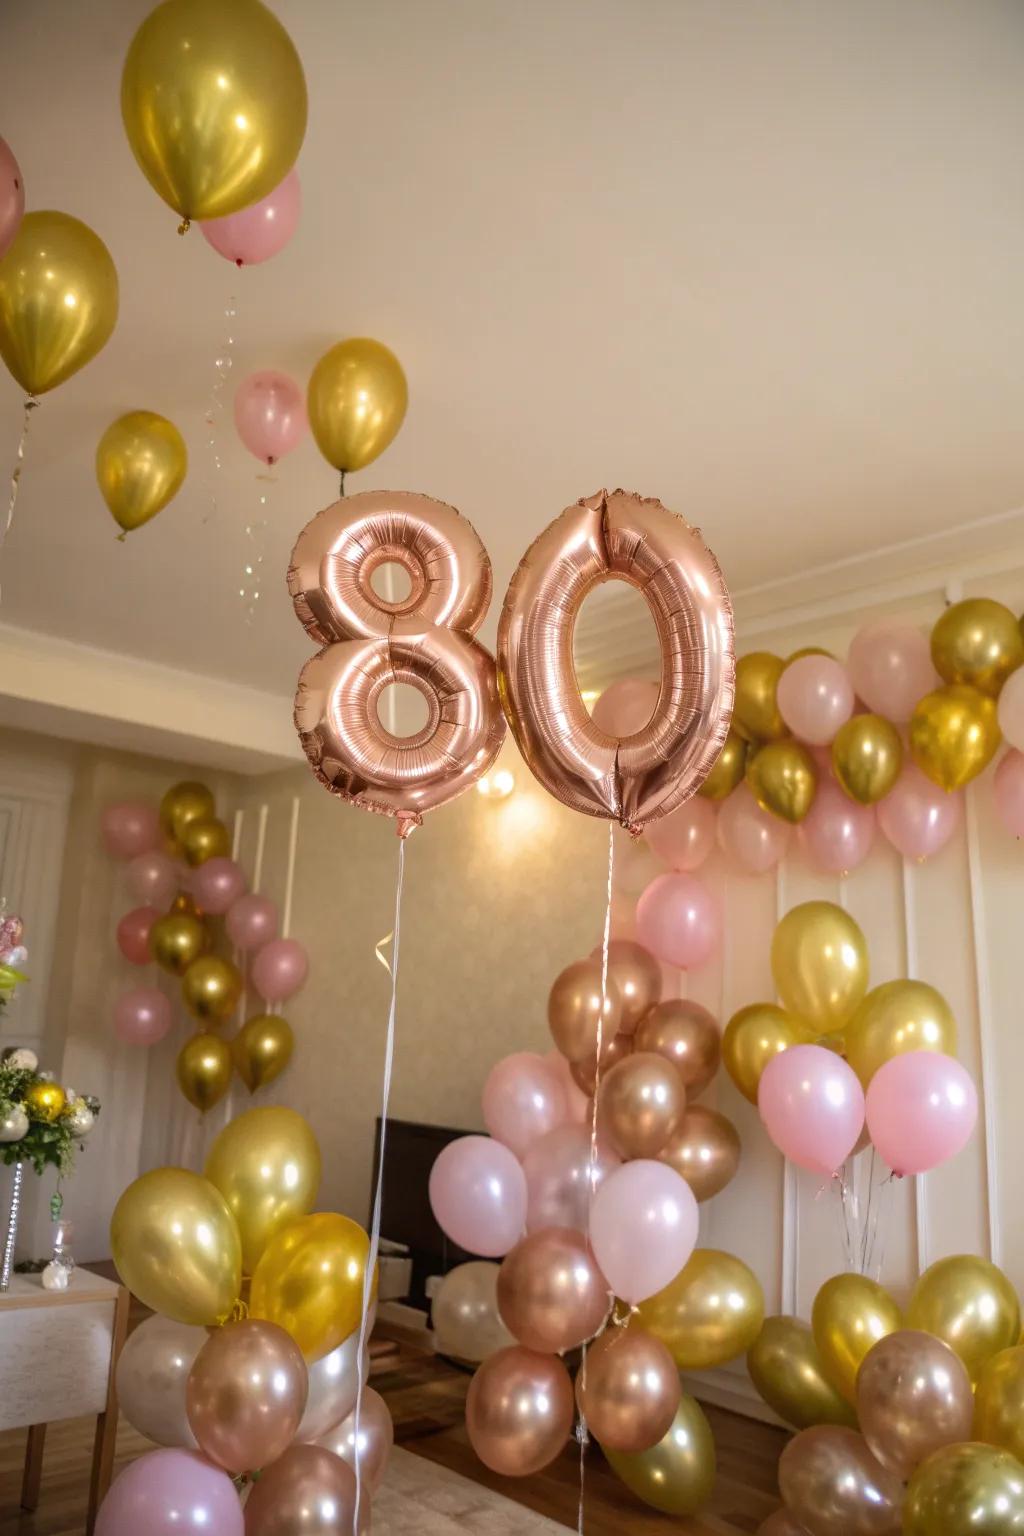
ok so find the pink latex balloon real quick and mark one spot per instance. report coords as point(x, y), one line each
point(478, 1196)
point(133, 934)
point(142, 1017)
point(684, 838)
point(171, 1493)
point(577, 1105)
point(1008, 791)
point(153, 878)
point(812, 1106)
point(837, 833)
point(270, 414)
point(921, 1110)
point(917, 816)
point(130, 828)
point(677, 919)
point(262, 230)
point(279, 970)
point(522, 1100)
point(251, 921)
point(752, 839)
point(217, 884)
point(626, 706)
point(815, 698)
point(1011, 709)
point(12, 197)
point(643, 1228)
point(558, 1172)
point(890, 667)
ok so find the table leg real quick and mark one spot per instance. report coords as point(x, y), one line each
point(106, 1423)
point(33, 1466)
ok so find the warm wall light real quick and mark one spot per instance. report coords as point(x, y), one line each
point(497, 786)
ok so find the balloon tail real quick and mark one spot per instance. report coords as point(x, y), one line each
point(184, 226)
point(341, 482)
point(215, 408)
point(252, 570)
point(19, 464)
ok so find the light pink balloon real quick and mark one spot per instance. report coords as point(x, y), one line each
point(522, 1100)
point(837, 833)
point(921, 1110)
point(577, 1105)
point(262, 230)
point(133, 934)
point(130, 828)
point(478, 1196)
point(142, 1017)
point(153, 878)
point(217, 884)
point(626, 706)
point(917, 816)
point(812, 1106)
point(815, 698)
point(643, 1228)
point(677, 919)
point(684, 839)
point(12, 197)
point(251, 921)
point(279, 970)
point(1011, 709)
point(1008, 791)
point(270, 414)
point(890, 667)
point(752, 839)
point(171, 1493)
point(558, 1174)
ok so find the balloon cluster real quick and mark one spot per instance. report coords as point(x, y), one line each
point(230, 1391)
point(177, 860)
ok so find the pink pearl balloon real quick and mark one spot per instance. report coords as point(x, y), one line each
point(917, 816)
point(625, 707)
point(130, 828)
point(643, 1228)
point(12, 197)
point(577, 1105)
point(921, 1110)
point(685, 838)
point(751, 838)
point(677, 920)
point(251, 921)
point(262, 230)
point(153, 878)
point(478, 1196)
point(270, 414)
point(217, 884)
point(1011, 709)
point(890, 667)
point(1008, 792)
point(133, 934)
point(812, 1106)
point(279, 970)
point(171, 1493)
point(558, 1172)
point(837, 833)
point(815, 698)
point(522, 1100)
point(142, 1017)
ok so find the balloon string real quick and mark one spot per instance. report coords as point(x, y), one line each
point(19, 464)
point(252, 570)
point(378, 1194)
point(215, 408)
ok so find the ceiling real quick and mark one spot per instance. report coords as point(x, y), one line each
point(761, 260)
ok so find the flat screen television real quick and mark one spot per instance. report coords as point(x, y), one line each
point(406, 1217)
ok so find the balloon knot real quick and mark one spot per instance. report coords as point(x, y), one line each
point(406, 823)
point(121, 537)
point(184, 226)
point(239, 262)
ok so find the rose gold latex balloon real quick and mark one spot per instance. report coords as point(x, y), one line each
point(551, 1294)
point(834, 1486)
point(686, 1034)
point(705, 1149)
point(519, 1411)
point(584, 1073)
point(913, 1397)
point(375, 1438)
point(639, 777)
point(637, 975)
point(640, 1101)
point(307, 1490)
point(574, 1009)
point(560, 1177)
point(628, 1389)
point(245, 1395)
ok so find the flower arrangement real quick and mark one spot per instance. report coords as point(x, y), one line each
point(40, 1122)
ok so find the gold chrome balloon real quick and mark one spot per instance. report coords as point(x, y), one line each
point(678, 1474)
point(266, 1164)
point(820, 964)
point(202, 840)
point(177, 1248)
point(978, 642)
point(210, 989)
point(310, 1281)
point(710, 1313)
point(999, 1402)
point(45, 1101)
point(213, 99)
point(141, 461)
point(58, 300)
point(954, 735)
point(204, 1070)
point(356, 401)
point(850, 1314)
point(867, 755)
point(897, 1017)
point(704, 1149)
point(783, 779)
point(185, 803)
point(787, 1371)
point(970, 1488)
point(752, 1037)
point(262, 1049)
point(970, 1304)
point(728, 770)
point(756, 710)
point(176, 941)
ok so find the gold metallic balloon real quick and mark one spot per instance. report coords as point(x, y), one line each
point(728, 770)
point(356, 401)
point(954, 735)
point(913, 1397)
point(686, 1034)
point(204, 1070)
point(897, 1017)
point(678, 1474)
point(176, 941)
point(141, 461)
point(177, 1248)
point(45, 1101)
point(58, 300)
point(783, 779)
point(820, 964)
point(786, 1369)
point(832, 1484)
point(574, 1009)
point(202, 840)
point(975, 1489)
point(978, 642)
point(184, 803)
point(266, 1164)
point(867, 755)
point(999, 1402)
point(752, 1037)
point(640, 1102)
point(710, 1313)
point(850, 1314)
point(705, 1149)
point(756, 710)
point(970, 1304)
point(213, 99)
point(809, 650)
point(211, 988)
point(262, 1049)
point(309, 1280)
